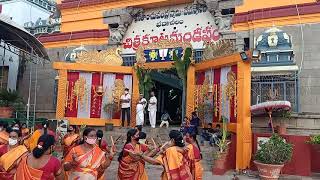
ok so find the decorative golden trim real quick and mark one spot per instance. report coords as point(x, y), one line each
point(220, 48)
point(117, 92)
point(62, 94)
point(109, 57)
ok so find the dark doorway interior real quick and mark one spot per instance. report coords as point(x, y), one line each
point(169, 99)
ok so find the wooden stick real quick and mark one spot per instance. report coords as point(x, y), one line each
point(164, 145)
point(160, 140)
point(118, 139)
point(154, 143)
point(112, 142)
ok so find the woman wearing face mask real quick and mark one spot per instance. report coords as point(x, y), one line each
point(70, 140)
point(194, 156)
point(10, 155)
point(33, 140)
point(87, 159)
point(40, 164)
point(131, 167)
point(172, 159)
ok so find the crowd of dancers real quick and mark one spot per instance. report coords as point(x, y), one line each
point(86, 154)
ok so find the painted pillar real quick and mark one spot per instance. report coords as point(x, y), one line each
point(190, 90)
point(62, 94)
point(135, 96)
point(244, 133)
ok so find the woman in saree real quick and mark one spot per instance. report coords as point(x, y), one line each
point(194, 156)
point(40, 164)
point(86, 160)
point(70, 140)
point(33, 140)
point(172, 159)
point(10, 155)
point(131, 167)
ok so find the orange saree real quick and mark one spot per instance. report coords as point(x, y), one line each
point(4, 137)
point(88, 163)
point(194, 158)
point(175, 165)
point(33, 140)
point(129, 168)
point(10, 160)
point(27, 173)
point(69, 142)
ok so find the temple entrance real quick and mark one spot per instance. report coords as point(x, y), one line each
point(168, 90)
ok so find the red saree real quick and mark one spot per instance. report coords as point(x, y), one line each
point(129, 168)
point(194, 158)
point(88, 163)
point(175, 165)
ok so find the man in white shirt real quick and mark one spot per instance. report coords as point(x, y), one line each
point(140, 110)
point(152, 108)
point(125, 107)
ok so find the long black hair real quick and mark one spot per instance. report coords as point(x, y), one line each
point(44, 143)
point(85, 133)
point(177, 137)
point(99, 136)
point(130, 133)
point(45, 125)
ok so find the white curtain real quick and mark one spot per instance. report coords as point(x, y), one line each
point(225, 111)
point(108, 84)
point(127, 79)
point(84, 108)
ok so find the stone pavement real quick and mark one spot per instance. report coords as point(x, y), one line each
point(154, 173)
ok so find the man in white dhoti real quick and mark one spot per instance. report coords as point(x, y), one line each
point(140, 110)
point(152, 108)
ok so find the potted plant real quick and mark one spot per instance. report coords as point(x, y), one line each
point(220, 156)
point(271, 157)
point(315, 142)
point(9, 100)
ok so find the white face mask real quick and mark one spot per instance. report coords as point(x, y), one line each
point(142, 141)
point(91, 140)
point(12, 142)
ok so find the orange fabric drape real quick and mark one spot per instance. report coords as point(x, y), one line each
point(69, 142)
point(130, 169)
point(194, 162)
point(175, 165)
point(88, 162)
point(4, 137)
point(8, 159)
point(27, 173)
point(33, 140)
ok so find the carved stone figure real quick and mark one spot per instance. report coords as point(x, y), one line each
point(118, 21)
point(223, 22)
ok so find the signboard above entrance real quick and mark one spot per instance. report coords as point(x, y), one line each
point(162, 55)
point(188, 23)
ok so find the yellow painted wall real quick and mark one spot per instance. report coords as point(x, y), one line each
point(91, 17)
point(249, 5)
